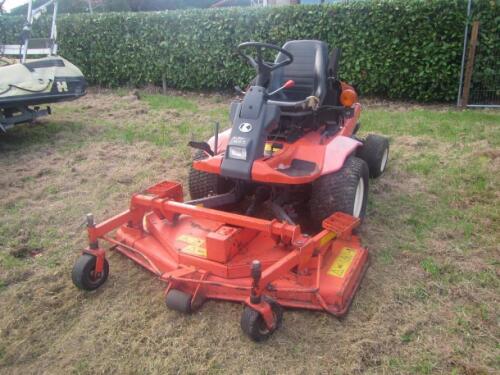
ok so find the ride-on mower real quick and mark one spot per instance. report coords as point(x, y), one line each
point(275, 200)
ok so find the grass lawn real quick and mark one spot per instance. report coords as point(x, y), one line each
point(429, 302)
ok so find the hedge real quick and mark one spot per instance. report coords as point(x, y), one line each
point(400, 49)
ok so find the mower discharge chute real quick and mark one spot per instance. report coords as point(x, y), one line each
point(275, 200)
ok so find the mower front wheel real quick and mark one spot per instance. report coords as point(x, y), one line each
point(345, 191)
point(202, 184)
point(375, 152)
point(84, 275)
point(254, 326)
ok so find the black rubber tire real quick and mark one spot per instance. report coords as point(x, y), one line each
point(253, 324)
point(372, 152)
point(82, 273)
point(336, 191)
point(202, 184)
point(179, 301)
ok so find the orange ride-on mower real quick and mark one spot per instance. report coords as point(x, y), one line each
point(275, 200)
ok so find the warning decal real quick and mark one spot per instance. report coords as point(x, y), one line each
point(195, 250)
point(342, 262)
point(327, 238)
point(195, 245)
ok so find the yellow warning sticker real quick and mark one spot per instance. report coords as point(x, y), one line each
point(342, 262)
point(195, 245)
point(195, 250)
point(191, 240)
point(325, 239)
point(268, 149)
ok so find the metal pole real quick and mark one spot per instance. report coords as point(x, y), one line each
point(469, 65)
point(53, 31)
point(90, 6)
point(26, 30)
point(216, 138)
point(466, 32)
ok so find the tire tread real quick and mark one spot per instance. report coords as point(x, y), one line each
point(372, 152)
point(202, 184)
point(336, 191)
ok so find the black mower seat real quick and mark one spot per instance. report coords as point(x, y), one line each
point(308, 70)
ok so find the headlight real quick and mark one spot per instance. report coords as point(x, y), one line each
point(239, 153)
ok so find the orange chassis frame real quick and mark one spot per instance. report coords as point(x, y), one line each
point(213, 254)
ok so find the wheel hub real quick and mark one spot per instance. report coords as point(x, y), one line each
point(384, 160)
point(359, 197)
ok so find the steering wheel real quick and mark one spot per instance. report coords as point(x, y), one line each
point(262, 67)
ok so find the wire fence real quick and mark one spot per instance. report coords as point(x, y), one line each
point(485, 83)
point(479, 84)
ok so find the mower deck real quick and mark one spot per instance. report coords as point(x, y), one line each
point(208, 254)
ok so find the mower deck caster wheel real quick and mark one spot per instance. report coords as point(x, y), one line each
point(179, 301)
point(252, 323)
point(84, 275)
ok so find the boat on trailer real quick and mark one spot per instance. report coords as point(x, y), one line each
point(27, 86)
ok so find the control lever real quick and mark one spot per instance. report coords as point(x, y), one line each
point(204, 146)
point(239, 90)
point(288, 85)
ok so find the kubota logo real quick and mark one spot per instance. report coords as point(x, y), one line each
point(245, 127)
point(62, 86)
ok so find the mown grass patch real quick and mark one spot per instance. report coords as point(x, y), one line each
point(428, 303)
point(441, 124)
point(161, 102)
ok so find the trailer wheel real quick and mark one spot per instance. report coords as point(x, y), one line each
point(179, 301)
point(345, 190)
point(202, 184)
point(375, 152)
point(84, 275)
point(252, 323)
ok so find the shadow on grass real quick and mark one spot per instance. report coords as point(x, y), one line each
point(41, 133)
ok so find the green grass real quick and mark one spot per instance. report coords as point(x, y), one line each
point(161, 102)
point(8, 261)
point(444, 125)
point(430, 266)
point(423, 164)
point(424, 365)
point(158, 134)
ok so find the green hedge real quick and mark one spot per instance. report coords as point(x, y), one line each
point(402, 49)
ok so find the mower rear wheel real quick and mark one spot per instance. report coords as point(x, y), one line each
point(345, 190)
point(84, 275)
point(179, 301)
point(375, 152)
point(253, 324)
point(202, 184)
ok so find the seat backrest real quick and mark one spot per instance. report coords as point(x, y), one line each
point(308, 70)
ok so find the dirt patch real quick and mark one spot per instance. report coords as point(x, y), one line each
point(113, 107)
point(491, 153)
point(26, 251)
